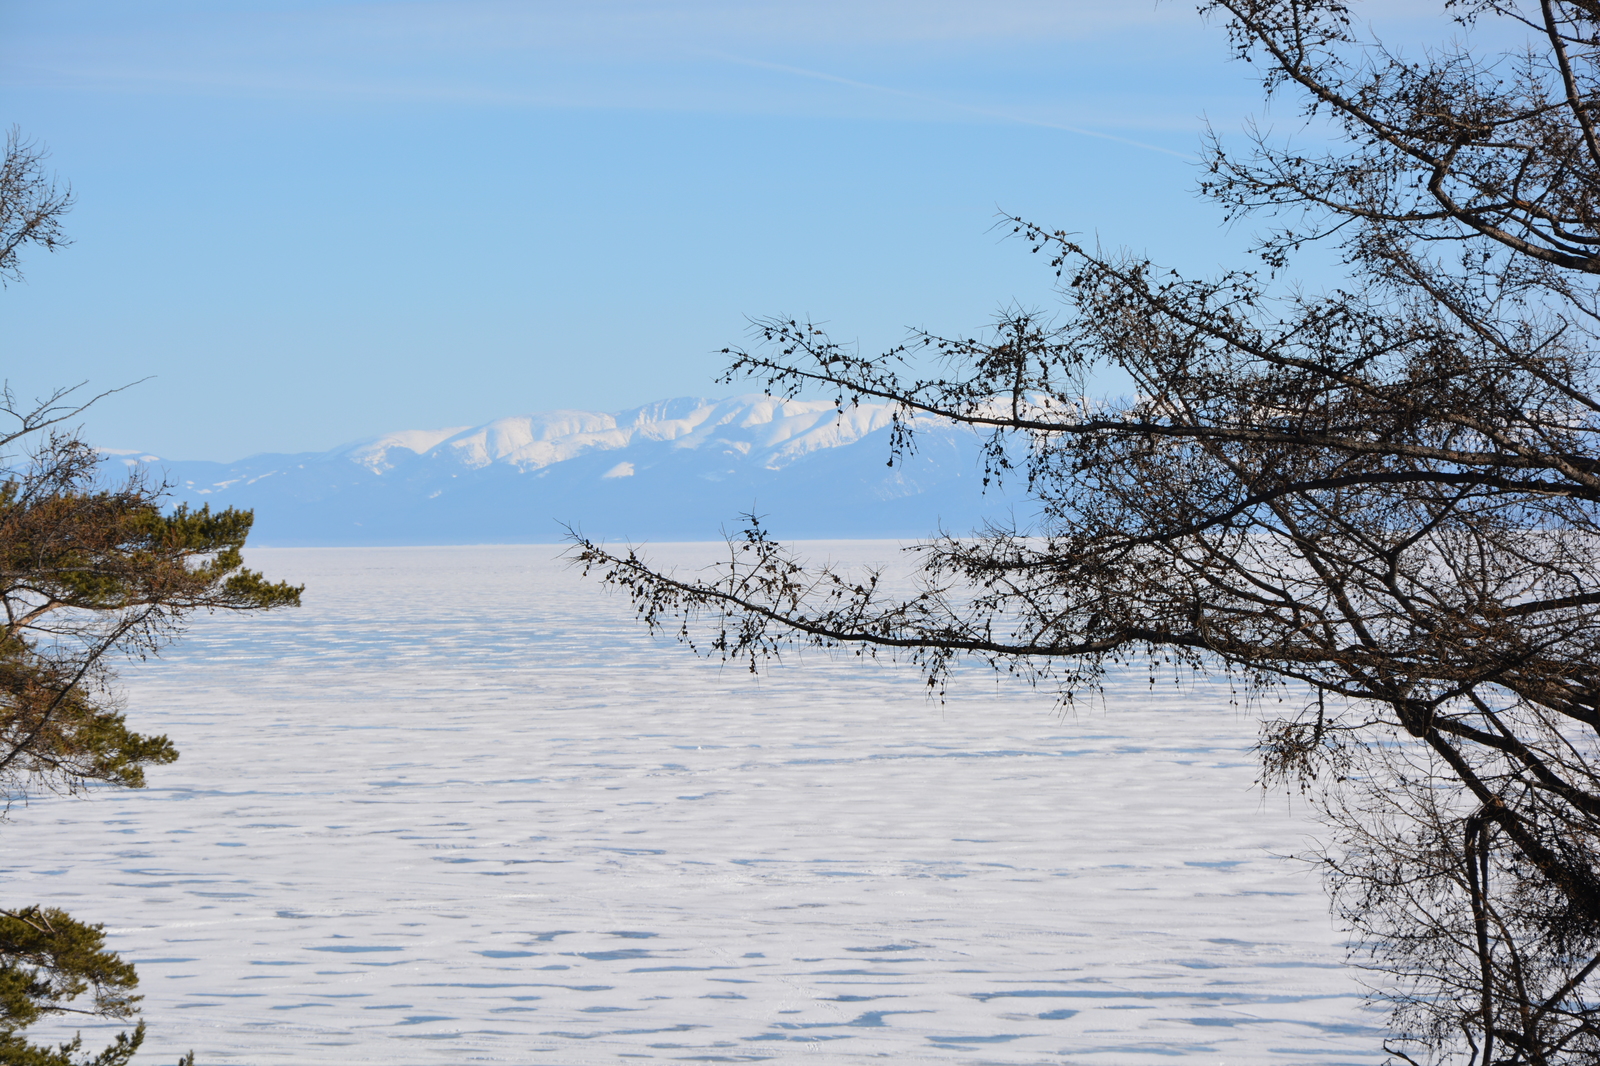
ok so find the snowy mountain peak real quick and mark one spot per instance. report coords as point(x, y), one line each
point(771, 430)
point(683, 468)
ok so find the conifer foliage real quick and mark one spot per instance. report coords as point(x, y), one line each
point(88, 570)
point(91, 569)
point(1382, 501)
point(54, 965)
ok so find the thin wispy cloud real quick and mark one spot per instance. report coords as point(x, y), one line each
point(502, 24)
point(954, 105)
point(930, 61)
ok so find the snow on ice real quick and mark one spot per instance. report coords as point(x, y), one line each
point(460, 808)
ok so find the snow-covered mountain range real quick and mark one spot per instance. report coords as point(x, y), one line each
point(681, 469)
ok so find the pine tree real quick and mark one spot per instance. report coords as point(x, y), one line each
point(89, 570)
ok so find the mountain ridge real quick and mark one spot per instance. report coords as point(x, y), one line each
point(681, 469)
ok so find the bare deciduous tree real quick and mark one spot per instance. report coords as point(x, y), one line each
point(31, 204)
point(1386, 496)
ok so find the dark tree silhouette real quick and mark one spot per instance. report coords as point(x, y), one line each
point(31, 204)
point(1386, 496)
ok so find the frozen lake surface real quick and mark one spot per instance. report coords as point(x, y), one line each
point(461, 808)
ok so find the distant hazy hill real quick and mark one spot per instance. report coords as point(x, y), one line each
point(675, 470)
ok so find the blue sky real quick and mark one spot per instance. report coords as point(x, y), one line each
point(313, 221)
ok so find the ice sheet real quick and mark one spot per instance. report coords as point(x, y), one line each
point(460, 808)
